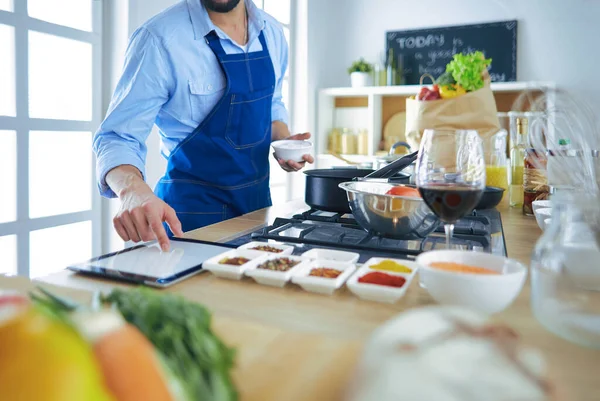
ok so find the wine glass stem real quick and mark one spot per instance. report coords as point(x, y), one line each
point(449, 228)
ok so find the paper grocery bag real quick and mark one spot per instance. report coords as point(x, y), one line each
point(474, 110)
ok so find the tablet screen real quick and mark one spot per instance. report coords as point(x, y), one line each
point(148, 263)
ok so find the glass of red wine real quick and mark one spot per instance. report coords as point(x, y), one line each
point(450, 174)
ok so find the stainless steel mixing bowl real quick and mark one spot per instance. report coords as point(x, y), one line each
point(391, 216)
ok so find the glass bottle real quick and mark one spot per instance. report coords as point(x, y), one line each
point(517, 159)
point(348, 142)
point(392, 76)
point(565, 278)
point(535, 182)
point(334, 141)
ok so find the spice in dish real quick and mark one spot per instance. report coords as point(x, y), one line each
point(391, 266)
point(234, 261)
point(380, 278)
point(267, 248)
point(460, 268)
point(325, 272)
point(278, 265)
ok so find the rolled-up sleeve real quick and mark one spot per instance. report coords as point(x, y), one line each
point(142, 90)
point(278, 110)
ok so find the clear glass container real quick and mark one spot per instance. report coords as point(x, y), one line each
point(349, 142)
point(496, 162)
point(565, 270)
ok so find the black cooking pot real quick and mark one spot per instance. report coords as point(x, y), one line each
point(322, 185)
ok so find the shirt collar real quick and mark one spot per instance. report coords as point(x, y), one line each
point(203, 25)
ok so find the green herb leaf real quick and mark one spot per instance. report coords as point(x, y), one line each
point(180, 330)
point(467, 69)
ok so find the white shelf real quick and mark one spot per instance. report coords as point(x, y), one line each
point(327, 113)
point(407, 90)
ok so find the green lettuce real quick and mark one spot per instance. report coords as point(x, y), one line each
point(467, 69)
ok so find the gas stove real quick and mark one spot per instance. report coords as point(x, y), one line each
point(481, 232)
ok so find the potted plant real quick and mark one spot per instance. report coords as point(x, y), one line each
point(360, 73)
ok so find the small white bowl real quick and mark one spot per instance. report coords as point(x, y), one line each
point(287, 149)
point(485, 293)
point(321, 285)
point(330, 254)
point(274, 278)
point(230, 271)
point(541, 204)
point(285, 249)
point(541, 215)
point(375, 292)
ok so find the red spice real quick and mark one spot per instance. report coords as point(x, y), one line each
point(382, 279)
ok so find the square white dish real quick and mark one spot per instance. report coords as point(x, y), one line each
point(332, 255)
point(274, 278)
point(285, 249)
point(321, 285)
point(375, 292)
point(230, 271)
point(407, 263)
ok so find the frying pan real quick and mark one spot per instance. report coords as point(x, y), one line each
point(322, 185)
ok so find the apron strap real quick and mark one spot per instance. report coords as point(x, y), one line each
point(212, 39)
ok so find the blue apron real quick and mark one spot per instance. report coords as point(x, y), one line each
point(221, 170)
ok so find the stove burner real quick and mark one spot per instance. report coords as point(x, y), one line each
point(315, 228)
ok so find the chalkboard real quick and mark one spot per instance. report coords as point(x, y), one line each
point(429, 50)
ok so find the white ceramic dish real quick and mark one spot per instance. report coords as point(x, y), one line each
point(485, 293)
point(541, 204)
point(375, 292)
point(322, 285)
point(285, 249)
point(274, 278)
point(230, 271)
point(292, 150)
point(411, 265)
point(541, 215)
point(330, 254)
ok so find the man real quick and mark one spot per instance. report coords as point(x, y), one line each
point(208, 73)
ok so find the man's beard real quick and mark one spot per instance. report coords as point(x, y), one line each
point(220, 7)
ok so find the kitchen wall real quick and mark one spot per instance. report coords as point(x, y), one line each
point(557, 39)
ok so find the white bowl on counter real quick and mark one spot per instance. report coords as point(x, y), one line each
point(541, 204)
point(482, 292)
point(321, 285)
point(376, 292)
point(285, 249)
point(289, 149)
point(541, 215)
point(271, 277)
point(332, 255)
point(232, 272)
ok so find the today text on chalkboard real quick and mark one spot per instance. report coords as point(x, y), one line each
point(427, 51)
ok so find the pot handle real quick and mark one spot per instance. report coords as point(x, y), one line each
point(394, 167)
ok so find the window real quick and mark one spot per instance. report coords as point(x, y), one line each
point(280, 10)
point(49, 107)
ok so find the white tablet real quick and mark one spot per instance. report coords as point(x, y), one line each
point(147, 264)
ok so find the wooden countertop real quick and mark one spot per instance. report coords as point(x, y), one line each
point(326, 329)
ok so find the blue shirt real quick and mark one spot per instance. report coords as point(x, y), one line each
point(172, 78)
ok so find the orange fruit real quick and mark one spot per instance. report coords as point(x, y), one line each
point(44, 359)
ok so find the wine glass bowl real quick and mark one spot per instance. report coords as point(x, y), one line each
point(451, 174)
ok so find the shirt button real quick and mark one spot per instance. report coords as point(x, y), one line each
point(209, 87)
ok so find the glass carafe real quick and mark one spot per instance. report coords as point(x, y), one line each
point(496, 162)
point(565, 270)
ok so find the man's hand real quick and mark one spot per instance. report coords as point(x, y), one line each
point(142, 213)
point(290, 165)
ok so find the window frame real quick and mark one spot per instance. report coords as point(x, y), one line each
point(22, 124)
point(286, 182)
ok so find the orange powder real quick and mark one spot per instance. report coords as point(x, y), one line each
point(460, 268)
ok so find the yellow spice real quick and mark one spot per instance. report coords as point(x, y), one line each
point(391, 266)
